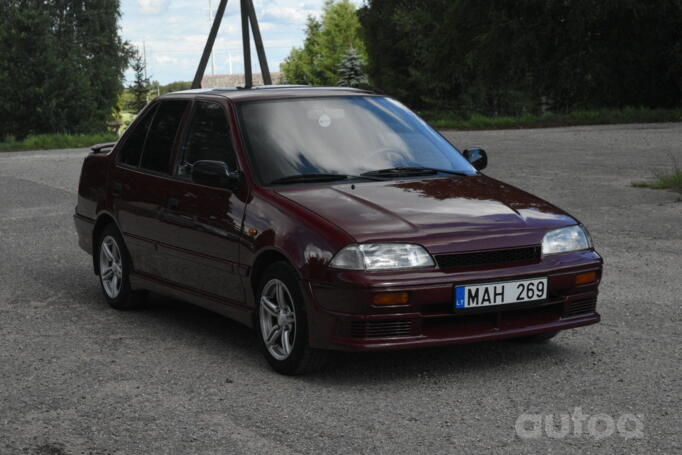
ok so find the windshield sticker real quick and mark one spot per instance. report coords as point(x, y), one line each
point(324, 120)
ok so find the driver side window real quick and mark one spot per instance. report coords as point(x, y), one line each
point(208, 138)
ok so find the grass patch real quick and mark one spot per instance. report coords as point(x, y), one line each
point(457, 121)
point(665, 181)
point(56, 141)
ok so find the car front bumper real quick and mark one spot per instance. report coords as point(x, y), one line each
point(343, 317)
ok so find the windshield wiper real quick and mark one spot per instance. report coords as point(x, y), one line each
point(314, 178)
point(407, 171)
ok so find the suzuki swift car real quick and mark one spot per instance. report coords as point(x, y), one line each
point(327, 219)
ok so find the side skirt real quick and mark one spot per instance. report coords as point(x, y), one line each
point(232, 310)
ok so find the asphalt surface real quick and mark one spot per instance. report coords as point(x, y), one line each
point(78, 377)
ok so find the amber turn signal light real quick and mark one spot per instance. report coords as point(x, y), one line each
point(391, 298)
point(586, 278)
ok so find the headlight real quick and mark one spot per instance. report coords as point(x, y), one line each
point(573, 238)
point(381, 256)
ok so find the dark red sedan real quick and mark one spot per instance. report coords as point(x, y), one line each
point(327, 218)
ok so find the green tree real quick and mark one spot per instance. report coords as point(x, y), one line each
point(27, 48)
point(350, 70)
point(500, 57)
point(300, 67)
point(62, 65)
point(175, 87)
point(376, 33)
point(325, 45)
point(140, 86)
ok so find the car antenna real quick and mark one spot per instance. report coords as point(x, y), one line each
point(249, 21)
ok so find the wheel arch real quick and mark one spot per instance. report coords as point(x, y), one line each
point(263, 260)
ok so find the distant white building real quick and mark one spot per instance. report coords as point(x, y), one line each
point(236, 80)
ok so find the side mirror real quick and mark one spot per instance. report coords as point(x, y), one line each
point(216, 174)
point(477, 157)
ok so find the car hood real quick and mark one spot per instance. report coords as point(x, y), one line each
point(443, 214)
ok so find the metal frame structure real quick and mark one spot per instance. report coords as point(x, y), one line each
point(249, 21)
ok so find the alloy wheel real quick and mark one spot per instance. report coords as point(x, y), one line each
point(277, 319)
point(110, 267)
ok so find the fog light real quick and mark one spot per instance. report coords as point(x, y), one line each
point(585, 278)
point(391, 298)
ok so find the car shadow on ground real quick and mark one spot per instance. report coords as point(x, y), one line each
point(232, 338)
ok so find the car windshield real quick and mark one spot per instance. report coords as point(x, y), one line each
point(350, 135)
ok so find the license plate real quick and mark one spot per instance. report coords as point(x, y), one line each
point(489, 294)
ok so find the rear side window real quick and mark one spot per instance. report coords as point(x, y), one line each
point(157, 151)
point(132, 148)
point(208, 138)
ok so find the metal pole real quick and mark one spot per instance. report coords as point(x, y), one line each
point(210, 18)
point(209, 44)
point(248, 77)
point(262, 59)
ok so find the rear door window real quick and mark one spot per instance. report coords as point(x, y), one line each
point(132, 148)
point(159, 146)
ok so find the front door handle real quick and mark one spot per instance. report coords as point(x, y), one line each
point(173, 204)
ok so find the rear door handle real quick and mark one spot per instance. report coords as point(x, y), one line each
point(116, 189)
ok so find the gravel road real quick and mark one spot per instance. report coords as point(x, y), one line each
point(77, 377)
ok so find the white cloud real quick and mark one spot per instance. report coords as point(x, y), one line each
point(286, 14)
point(162, 59)
point(153, 6)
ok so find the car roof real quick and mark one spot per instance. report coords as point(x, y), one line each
point(266, 92)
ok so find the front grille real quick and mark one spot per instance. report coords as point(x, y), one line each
point(488, 258)
point(381, 329)
point(581, 307)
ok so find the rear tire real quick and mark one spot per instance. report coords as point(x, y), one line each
point(114, 270)
point(540, 337)
point(282, 324)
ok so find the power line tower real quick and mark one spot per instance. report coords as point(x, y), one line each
point(249, 21)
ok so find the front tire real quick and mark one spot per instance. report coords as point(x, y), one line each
point(114, 270)
point(282, 325)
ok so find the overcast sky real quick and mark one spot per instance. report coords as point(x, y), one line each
point(175, 33)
